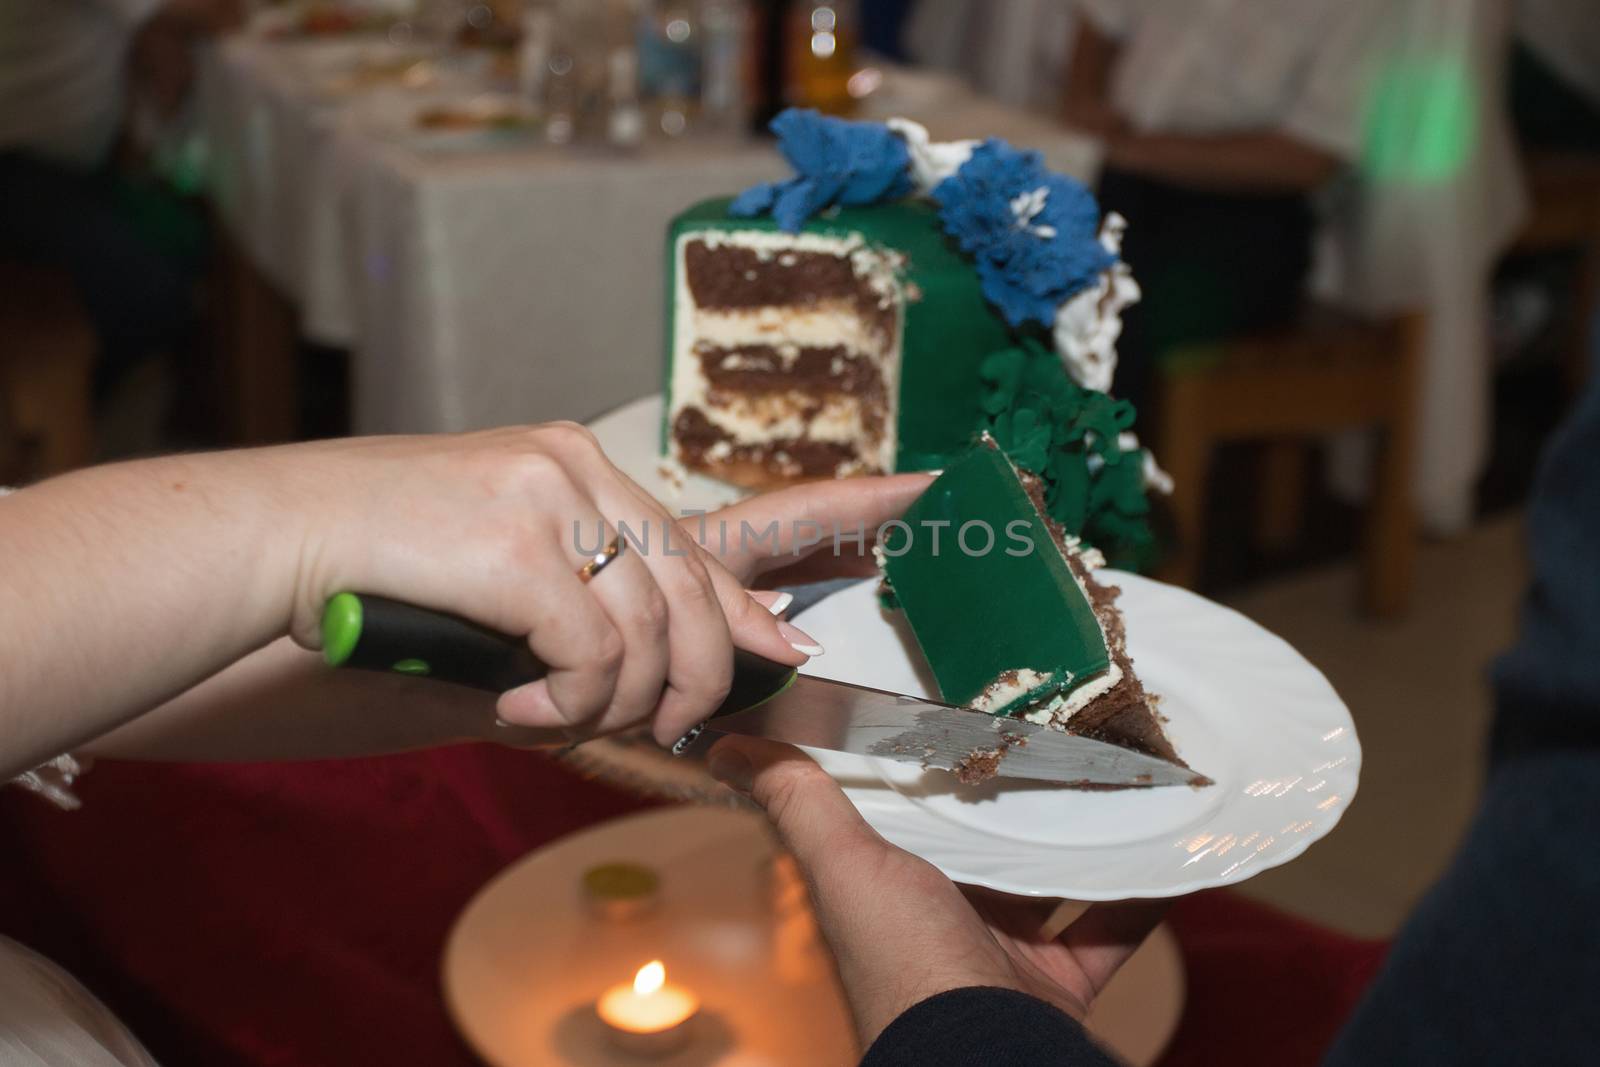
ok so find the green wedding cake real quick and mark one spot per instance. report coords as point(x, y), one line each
point(904, 305)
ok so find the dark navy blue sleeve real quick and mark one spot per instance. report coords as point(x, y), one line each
point(991, 1027)
point(1500, 964)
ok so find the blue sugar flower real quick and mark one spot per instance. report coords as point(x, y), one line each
point(1033, 234)
point(836, 162)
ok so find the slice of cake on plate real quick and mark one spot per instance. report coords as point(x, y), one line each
point(1005, 609)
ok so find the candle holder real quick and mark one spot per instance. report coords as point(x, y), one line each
point(648, 1017)
point(621, 892)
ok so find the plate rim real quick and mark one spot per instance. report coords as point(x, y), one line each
point(1275, 858)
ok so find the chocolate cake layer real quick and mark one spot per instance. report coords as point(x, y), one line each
point(1124, 715)
point(730, 278)
point(759, 466)
point(764, 369)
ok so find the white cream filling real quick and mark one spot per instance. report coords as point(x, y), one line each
point(823, 326)
point(931, 161)
point(776, 417)
point(1060, 708)
point(1002, 691)
point(1088, 325)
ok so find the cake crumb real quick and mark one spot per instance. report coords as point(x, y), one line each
point(673, 473)
point(979, 765)
point(982, 764)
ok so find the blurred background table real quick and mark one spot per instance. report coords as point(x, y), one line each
point(486, 279)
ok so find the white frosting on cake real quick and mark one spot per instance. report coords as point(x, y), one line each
point(1155, 479)
point(1088, 325)
point(776, 417)
point(823, 325)
point(1009, 688)
point(1026, 207)
point(931, 161)
point(1060, 708)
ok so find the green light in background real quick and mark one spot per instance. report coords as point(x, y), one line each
point(1421, 121)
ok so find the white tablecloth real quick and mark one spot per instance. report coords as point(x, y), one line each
point(488, 286)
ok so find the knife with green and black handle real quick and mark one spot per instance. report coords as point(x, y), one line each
point(378, 634)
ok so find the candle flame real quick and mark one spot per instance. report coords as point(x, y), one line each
point(651, 977)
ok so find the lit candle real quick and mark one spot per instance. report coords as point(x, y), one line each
point(648, 1017)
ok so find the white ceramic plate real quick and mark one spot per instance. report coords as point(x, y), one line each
point(1243, 707)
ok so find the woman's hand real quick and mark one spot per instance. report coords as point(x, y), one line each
point(283, 703)
point(494, 526)
point(901, 931)
point(806, 533)
point(174, 568)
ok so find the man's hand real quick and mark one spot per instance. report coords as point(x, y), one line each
point(900, 930)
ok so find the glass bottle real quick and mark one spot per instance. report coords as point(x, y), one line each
point(820, 55)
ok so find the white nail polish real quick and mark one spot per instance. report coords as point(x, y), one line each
point(799, 640)
point(781, 605)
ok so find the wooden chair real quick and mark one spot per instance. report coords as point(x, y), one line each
point(1564, 212)
point(47, 355)
point(1328, 372)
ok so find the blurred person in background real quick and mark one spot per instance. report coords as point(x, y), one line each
point(1555, 75)
point(68, 71)
point(1221, 123)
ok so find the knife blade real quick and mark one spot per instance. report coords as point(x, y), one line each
point(842, 717)
point(767, 699)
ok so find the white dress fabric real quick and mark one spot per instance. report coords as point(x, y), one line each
point(47, 1019)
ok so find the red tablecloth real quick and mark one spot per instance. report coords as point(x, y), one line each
point(294, 914)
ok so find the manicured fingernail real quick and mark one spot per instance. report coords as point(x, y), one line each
point(772, 600)
point(799, 640)
point(732, 770)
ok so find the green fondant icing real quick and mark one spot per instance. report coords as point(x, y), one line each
point(1050, 425)
point(964, 371)
point(976, 614)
